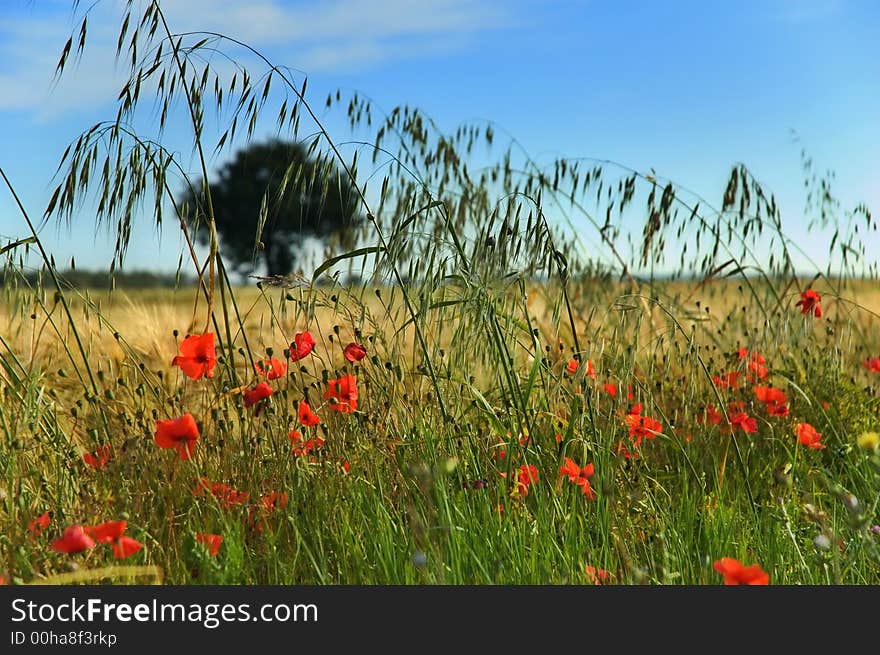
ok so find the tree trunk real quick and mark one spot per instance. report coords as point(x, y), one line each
point(279, 259)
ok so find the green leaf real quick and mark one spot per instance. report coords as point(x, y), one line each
point(360, 252)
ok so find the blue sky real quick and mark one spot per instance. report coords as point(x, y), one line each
point(688, 88)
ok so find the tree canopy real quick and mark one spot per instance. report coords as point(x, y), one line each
point(268, 199)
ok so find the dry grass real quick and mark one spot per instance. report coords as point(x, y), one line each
point(147, 319)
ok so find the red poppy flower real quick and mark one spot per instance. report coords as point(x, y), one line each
point(744, 422)
point(226, 495)
point(197, 358)
point(126, 547)
point(573, 365)
point(303, 343)
point(626, 452)
point(73, 540)
point(312, 444)
point(499, 451)
point(590, 370)
point(306, 416)
point(711, 415)
point(754, 365)
point(777, 409)
point(258, 393)
point(98, 459)
point(342, 394)
point(736, 574)
point(39, 524)
point(610, 389)
point(111, 532)
point(106, 532)
point(571, 469)
point(181, 433)
point(211, 541)
point(579, 476)
point(527, 475)
point(726, 380)
point(770, 395)
point(355, 352)
point(268, 504)
point(808, 436)
point(774, 400)
point(274, 500)
point(271, 368)
point(574, 472)
point(809, 303)
point(301, 447)
point(598, 576)
point(642, 426)
point(872, 364)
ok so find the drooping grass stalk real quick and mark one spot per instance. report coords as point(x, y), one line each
point(214, 253)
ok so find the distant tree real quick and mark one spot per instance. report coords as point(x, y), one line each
point(268, 199)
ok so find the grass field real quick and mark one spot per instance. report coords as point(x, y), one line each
point(404, 490)
point(484, 380)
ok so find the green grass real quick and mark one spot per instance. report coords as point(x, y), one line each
point(406, 510)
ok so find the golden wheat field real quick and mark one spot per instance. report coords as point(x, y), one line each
point(147, 319)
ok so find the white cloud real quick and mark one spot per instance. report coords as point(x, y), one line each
point(315, 36)
point(807, 11)
point(273, 22)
